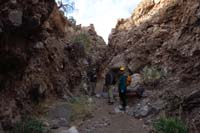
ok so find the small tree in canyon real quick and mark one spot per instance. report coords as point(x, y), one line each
point(67, 7)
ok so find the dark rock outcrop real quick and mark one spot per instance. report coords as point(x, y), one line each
point(38, 57)
point(164, 34)
point(192, 101)
point(24, 16)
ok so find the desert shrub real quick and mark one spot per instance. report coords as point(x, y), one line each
point(67, 7)
point(152, 74)
point(84, 39)
point(28, 125)
point(169, 125)
point(72, 20)
point(81, 108)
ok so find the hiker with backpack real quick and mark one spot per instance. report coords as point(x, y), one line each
point(93, 79)
point(109, 83)
point(124, 81)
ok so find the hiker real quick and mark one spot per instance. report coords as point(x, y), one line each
point(122, 88)
point(109, 83)
point(93, 79)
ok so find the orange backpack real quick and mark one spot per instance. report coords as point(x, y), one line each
point(128, 80)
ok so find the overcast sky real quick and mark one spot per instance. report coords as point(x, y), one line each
point(103, 13)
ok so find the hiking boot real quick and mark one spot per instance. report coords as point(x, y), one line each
point(122, 109)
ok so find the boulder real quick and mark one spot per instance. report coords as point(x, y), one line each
point(39, 45)
point(146, 108)
point(192, 101)
point(72, 130)
point(15, 17)
point(142, 111)
point(135, 83)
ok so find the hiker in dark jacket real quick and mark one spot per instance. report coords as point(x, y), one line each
point(110, 82)
point(93, 79)
point(122, 88)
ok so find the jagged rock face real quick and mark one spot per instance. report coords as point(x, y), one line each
point(162, 33)
point(24, 15)
point(97, 49)
point(38, 59)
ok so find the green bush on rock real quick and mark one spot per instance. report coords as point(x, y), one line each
point(152, 74)
point(28, 125)
point(81, 107)
point(169, 125)
point(84, 39)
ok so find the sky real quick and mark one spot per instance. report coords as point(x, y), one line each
point(102, 13)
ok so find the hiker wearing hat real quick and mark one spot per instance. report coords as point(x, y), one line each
point(122, 88)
